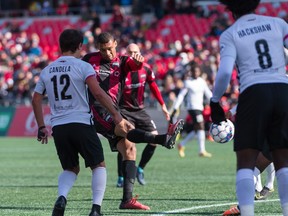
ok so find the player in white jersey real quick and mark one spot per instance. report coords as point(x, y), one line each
point(64, 81)
point(196, 88)
point(255, 43)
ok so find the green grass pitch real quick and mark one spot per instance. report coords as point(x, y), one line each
point(176, 186)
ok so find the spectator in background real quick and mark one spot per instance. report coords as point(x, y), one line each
point(118, 17)
point(62, 8)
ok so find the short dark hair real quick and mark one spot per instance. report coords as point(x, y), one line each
point(104, 37)
point(240, 7)
point(70, 39)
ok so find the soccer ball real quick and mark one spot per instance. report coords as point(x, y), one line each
point(223, 132)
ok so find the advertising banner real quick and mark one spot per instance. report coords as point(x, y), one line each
point(24, 122)
point(6, 116)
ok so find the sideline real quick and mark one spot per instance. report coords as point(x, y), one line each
point(206, 206)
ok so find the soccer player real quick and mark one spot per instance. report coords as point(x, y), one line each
point(196, 88)
point(255, 43)
point(132, 106)
point(111, 71)
point(64, 81)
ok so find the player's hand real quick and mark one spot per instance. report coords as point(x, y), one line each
point(166, 112)
point(42, 135)
point(138, 58)
point(217, 112)
point(122, 128)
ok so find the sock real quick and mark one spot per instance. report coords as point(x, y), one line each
point(245, 191)
point(99, 178)
point(129, 174)
point(201, 140)
point(66, 181)
point(146, 155)
point(270, 176)
point(188, 137)
point(141, 136)
point(282, 180)
point(119, 164)
point(257, 179)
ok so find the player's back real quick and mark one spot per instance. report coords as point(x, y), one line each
point(257, 44)
point(64, 81)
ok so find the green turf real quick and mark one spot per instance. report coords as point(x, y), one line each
point(200, 186)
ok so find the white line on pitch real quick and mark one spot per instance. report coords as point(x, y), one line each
point(204, 207)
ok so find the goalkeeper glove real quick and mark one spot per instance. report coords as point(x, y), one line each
point(217, 112)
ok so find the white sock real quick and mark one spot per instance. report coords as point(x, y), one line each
point(201, 140)
point(282, 179)
point(258, 185)
point(66, 181)
point(187, 138)
point(270, 176)
point(245, 191)
point(257, 179)
point(99, 178)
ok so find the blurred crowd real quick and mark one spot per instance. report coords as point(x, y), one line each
point(22, 58)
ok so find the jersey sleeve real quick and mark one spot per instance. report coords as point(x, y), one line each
point(88, 71)
point(284, 26)
point(40, 86)
point(227, 47)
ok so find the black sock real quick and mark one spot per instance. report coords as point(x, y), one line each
point(119, 164)
point(146, 155)
point(141, 136)
point(129, 174)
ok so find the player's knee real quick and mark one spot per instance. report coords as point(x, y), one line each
point(76, 170)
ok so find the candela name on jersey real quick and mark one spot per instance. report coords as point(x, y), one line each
point(60, 69)
point(254, 30)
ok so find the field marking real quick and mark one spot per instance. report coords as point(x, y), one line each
point(205, 206)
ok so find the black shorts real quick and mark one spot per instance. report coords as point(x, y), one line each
point(105, 126)
point(262, 115)
point(197, 116)
point(74, 139)
point(140, 119)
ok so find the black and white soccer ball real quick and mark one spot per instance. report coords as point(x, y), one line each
point(223, 132)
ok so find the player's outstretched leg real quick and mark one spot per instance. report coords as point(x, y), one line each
point(167, 140)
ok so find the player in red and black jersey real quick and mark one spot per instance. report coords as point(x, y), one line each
point(132, 106)
point(111, 71)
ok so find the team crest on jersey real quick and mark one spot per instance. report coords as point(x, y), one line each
point(116, 73)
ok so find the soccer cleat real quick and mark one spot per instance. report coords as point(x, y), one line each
point(94, 211)
point(140, 176)
point(233, 210)
point(257, 195)
point(173, 131)
point(133, 204)
point(265, 192)
point(120, 182)
point(205, 154)
point(181, 150)
point(59, 206)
